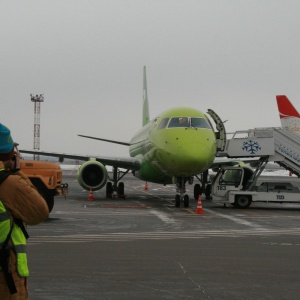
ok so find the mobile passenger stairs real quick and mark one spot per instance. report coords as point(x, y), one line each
point(240, 187)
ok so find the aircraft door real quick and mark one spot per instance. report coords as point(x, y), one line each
point(221, 134)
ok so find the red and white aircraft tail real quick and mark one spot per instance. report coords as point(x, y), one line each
point(289, 116)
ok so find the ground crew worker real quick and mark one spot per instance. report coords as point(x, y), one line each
point(20, 203)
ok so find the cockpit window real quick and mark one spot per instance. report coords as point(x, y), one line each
point(179, 122)
point(199, 123)
point(188, 122)
point(163, 123)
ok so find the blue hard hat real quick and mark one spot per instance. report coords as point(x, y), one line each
point(6, 141)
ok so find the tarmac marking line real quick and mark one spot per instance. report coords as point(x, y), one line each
point(236, 219)
point(161, 235)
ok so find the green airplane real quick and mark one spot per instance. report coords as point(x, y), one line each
point(176, 146)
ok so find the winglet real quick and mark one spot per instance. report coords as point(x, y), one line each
point(289, 116)
point(146, 117)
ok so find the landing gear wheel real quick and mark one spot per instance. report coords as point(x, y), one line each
point(197, 191)
point(109, 190)
point(208, 192)
point(191, 180)
point(186, 201)
point(177, 201)
point(121, 189)
point(242, 201)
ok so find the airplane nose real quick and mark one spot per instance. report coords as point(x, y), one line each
point(193, 156)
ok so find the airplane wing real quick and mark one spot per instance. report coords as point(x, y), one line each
point(124, 163)
point(105, 140)
point(131, 163)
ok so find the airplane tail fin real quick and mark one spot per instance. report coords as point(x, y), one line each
point(146, 117)
point(289, 116)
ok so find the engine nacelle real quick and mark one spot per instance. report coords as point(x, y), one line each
point(92, 174)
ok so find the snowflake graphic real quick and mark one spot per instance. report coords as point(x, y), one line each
point(251, 147)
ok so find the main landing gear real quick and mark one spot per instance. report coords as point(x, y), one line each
point(203, 187)
point(114, 188)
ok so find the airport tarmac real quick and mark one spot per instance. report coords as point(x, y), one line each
point(142, 247)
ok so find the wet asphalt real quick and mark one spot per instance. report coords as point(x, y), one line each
point(142, 247)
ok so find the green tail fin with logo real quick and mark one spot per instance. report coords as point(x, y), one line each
point(146, 117)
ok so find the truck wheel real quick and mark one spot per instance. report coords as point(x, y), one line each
point(177, 201)
point(242, 201)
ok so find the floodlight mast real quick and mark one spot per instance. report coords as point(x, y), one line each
point(37, 99)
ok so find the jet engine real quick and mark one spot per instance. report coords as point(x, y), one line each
point(92, 174)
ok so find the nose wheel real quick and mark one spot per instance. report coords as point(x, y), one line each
point(181, 196)
point(185, 199)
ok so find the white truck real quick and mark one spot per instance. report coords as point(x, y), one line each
point(240, 186)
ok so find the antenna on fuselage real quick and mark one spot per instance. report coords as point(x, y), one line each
point(146, 117)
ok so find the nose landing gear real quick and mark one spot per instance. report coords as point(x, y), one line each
point(181, 192)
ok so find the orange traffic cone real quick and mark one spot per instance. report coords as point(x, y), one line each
point(146, 186)
point(91, 197)
point(199, 209)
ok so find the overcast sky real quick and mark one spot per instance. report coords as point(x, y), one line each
point(87, 57)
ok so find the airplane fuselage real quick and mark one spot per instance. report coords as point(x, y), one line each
point(178, 143)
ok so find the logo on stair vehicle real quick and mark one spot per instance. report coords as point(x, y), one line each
point(251, 146)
